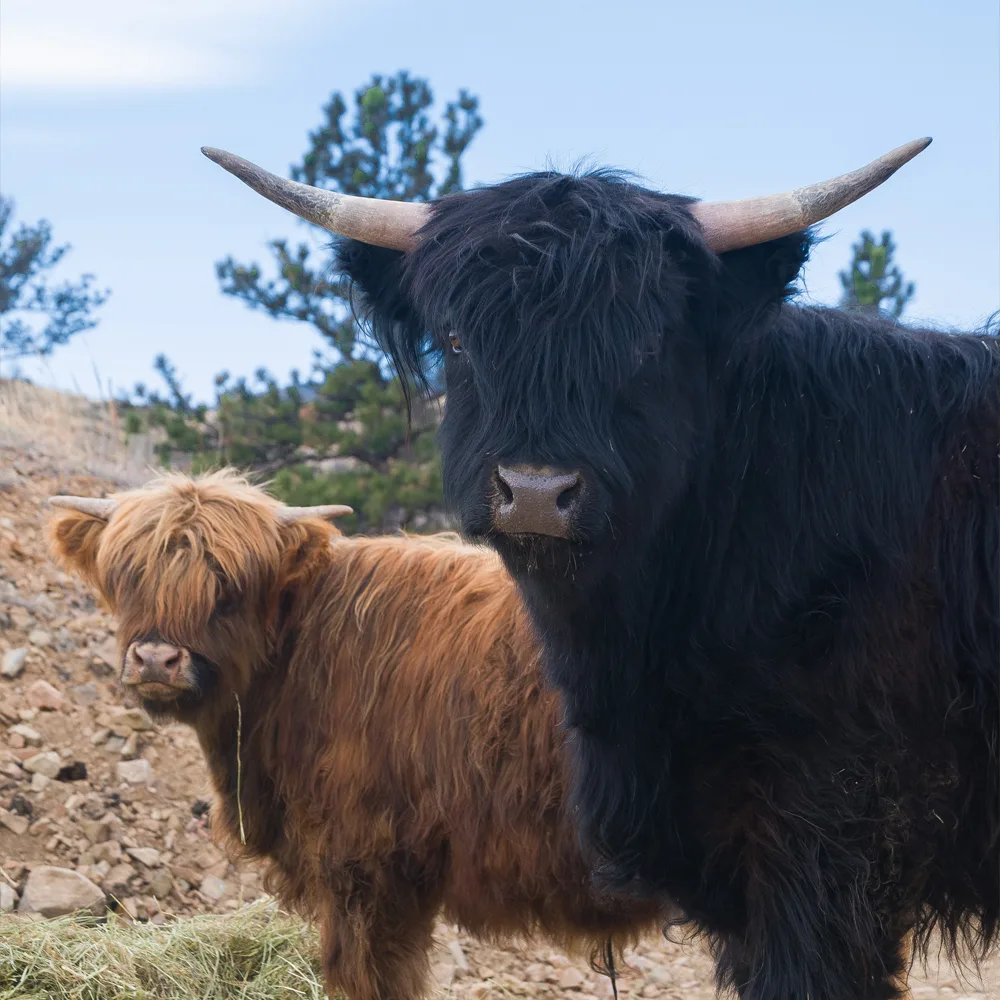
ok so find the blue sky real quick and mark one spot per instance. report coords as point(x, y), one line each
point(104, 105)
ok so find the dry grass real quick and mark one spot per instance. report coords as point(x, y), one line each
point(258, 953)
point(74, 434)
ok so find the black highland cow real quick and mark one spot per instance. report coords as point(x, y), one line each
point(760, 542)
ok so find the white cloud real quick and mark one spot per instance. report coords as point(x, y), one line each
point(146, 44)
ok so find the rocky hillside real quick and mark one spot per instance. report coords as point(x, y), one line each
point(101, 809)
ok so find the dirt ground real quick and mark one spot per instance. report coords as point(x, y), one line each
point(140, 831)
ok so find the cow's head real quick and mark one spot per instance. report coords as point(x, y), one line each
point(198, 573)
point(583, 324)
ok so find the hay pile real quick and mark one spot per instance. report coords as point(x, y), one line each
point(255, 954)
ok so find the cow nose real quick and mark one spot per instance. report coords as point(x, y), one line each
point(148, 662)
point(158, 655)
point(535, 500)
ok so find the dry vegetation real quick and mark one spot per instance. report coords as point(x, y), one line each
point(256, 954)
point(193, 937)
point(68, 434)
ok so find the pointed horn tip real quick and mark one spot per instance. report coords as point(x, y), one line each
point(912, 148)
point(326, 511)
point(335, 510)
point(220, 156)
point(94, 506)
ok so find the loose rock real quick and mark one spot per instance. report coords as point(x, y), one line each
point(213, 888)
point(123, 721)
point(96, 830)
point(135, 772)
point(54, 892)
point(48, 764)
point(14, 823)
point(570, 978)
point(161, 884)
point(31, 737)
point(85, 694)
point(13, 662)
point(148, 856)
point(8, 898)
point(44, 696)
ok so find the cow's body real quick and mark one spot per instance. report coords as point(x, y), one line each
point(768, 592)
point(399, 756)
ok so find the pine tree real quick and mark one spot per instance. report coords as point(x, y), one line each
point(351, 412)
point(873, 278)
point(36, 317)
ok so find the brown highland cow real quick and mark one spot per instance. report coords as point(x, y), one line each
point(399, 757)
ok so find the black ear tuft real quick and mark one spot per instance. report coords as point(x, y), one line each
point(380, 300)
point(763, 275)
point(377, 274)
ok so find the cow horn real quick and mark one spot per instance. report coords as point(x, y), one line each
point(289, 515)
point(382, 223)
point(730, 225)
point(87, 505)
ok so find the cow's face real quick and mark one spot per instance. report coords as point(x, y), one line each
point(578, 323)
point(197, 574)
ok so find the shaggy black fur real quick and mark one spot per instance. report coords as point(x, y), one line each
point(776, 626)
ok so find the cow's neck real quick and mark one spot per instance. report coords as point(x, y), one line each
point(234, 740)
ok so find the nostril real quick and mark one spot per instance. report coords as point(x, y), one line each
point(506, 493)
point(569, 496)
point(157, 657)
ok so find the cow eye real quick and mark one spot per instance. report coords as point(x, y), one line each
point(226, 605)
point(456, 344)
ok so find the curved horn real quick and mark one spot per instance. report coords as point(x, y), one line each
point(87, 505)
point(289, 515)
point(730, 225)
point(390, 224)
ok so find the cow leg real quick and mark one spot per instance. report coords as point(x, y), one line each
point(375, 941)
point(811, 931)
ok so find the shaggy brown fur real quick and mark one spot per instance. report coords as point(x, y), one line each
point(399, 754)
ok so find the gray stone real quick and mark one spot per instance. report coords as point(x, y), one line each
point(32, 737)
point(110, 852)
point(130, 748)
point(13, 662)
point(85, 694)
point(161, 884)
point(570, 978)
point(53, 892)
point(43, 696)
point(117, 879)
point(47, 763)
point(125, 720)
point(8, 898)
point(13, 822)
point(92, 806)
point(148, 856)
point(8, 480)
point(135, 772)
point(213, 888)
point(39, 637)
point(96, 830)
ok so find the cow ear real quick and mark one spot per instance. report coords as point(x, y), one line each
point(379, 298)
point(757, 277)
point(74, 537)
point(305, 546)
